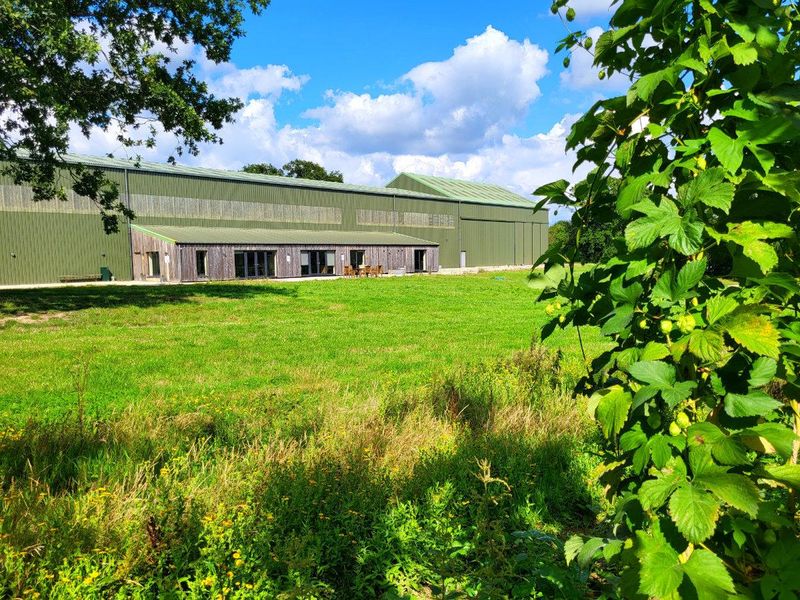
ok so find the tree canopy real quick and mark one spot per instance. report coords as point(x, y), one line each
point(698, 393)
point(301, 169)
point(71, 67)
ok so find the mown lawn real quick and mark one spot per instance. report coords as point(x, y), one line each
point(242, 345)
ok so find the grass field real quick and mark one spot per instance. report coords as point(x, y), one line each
point(245, 345)
point(338, 438)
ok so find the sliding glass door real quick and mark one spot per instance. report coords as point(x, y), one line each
point(254, 264)
point(317, 262)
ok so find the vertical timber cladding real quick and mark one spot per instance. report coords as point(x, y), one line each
point(169, 257)
point(397, 214)
point(50, 240)
point(287, 258)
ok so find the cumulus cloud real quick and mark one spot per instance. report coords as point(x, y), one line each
point(455, 105)
point(263, 82)
point(453, 120)
point(259, 87)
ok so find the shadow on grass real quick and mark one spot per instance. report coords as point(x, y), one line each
point(342, 527)
point(41, 300)
point(65, 455)
point(330, 523)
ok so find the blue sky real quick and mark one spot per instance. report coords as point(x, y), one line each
point(463, 89)
point(359, 46)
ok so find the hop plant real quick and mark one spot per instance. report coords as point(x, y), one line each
point(701, 414)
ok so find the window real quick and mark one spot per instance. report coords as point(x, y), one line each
point(239, 265)
point(317, 262)
point(420, 260)
point(153, 265)
point(356, 258)
point(253, 264)
point(201, 258)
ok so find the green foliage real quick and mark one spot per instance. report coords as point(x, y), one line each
point(697, 397)
point(390, 498)
point(263, 169)
point(302, 169)
point(306, 169)
point(585, 238)
point(86, 65)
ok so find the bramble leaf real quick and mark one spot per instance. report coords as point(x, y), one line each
point(661, 571)
point(754, 404)
point(695, 513)
point(708, 574)
point(612, 410)
point(762, 372)
point(754, 332)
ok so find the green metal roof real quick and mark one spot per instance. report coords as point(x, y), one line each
point(274, 237)
point(103, 162)
point(440, 188)
point(482, 193)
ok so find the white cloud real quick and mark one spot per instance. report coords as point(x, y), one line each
point(269, 81)
point(453, 120)
point(455, 105)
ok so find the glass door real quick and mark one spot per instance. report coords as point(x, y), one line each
point(356, 258)
point(317, 262)
point(254, 264)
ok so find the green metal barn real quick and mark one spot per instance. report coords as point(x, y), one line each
point(262, 226)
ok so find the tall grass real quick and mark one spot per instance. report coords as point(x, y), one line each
point(399, 495)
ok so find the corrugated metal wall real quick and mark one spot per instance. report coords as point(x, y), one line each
point(43, 247)
point(52, 240)
point(45, 241)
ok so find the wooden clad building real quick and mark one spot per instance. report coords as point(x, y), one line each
point(175, 254)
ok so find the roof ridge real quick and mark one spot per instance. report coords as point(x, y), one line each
point(445, 185)
point(201, 171)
